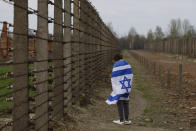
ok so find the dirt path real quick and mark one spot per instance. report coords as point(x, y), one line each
point(98, 115)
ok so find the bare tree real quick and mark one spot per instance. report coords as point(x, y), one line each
point(159, 35)
point(150, 36)
point(175, 28)
point(132, 32)
point(194, 31)
point(124, 43)
point(132, 37)
point(110, 26)
point(188, 29)
point(186, 26)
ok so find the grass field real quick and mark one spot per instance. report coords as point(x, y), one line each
point(6, 106)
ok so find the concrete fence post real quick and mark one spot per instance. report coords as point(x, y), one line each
point(67, 57)
point(41, 67)
point(20, 68)
point(91, 40)
point(58, 83)
point(82, 47)
point(75, 52)
point(86, 46)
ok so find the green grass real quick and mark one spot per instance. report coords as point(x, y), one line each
point(143, 85)
point(146, 93)
point(151, 92)
point(6, 106)
point(4, 69)
point(147, 110)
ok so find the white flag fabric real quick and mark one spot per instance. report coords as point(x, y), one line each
point(121, 79)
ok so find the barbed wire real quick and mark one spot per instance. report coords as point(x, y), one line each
point(97, 44)
point(49, 40)
point(51, 20)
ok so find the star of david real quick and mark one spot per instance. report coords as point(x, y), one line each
point(126, 85)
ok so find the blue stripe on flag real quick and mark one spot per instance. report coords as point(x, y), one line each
point(117, 97)
point(120, 63)
point(122, 72)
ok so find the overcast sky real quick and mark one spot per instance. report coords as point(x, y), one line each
point(124, 14)
point(144, 14)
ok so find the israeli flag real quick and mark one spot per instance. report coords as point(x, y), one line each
point(121, 79)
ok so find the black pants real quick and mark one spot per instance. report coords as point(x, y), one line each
point(123, 109)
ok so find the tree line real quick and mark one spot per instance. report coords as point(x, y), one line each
point(177, 29)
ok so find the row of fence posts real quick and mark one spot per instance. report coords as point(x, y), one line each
point(83, 46)
point(164, 74)
point(185, 47)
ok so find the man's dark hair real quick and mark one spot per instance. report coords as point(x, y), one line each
point(117, 57)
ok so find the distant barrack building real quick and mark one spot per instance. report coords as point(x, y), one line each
point(6, 43)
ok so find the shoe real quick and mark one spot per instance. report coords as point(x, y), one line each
point(118, 122)
point(127, 122)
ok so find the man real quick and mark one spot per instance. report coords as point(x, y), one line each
point(121, 79)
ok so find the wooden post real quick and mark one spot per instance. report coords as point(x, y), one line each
point(168, 77)
point(41, 67)
point(58, 61)
point(180, 78)
point(20, 68)
point(154, 66)
point(159, 72)
point(67, 57)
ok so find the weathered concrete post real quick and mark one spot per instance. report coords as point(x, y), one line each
point(82, 46)
point(94, 22)
point(20, 68)
point(88, 48)
point(58, 61)
point(75, 51)
point(67, 57)
point(91, 40)
point(41, 68)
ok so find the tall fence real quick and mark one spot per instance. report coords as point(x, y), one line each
point(42, 75)
point(178, 80)
point(168, 77)
point(177, 46)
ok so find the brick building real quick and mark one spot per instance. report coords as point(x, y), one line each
point(6, 44)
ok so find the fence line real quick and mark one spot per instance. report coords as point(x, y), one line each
point(176, 46)
point(50, 71)
point(171, 75)
point(177, 79)
point(164, 73)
